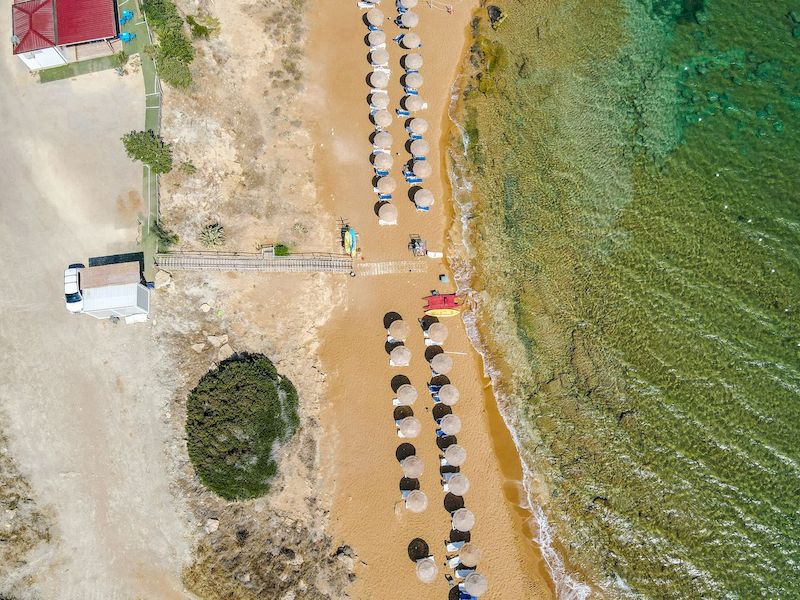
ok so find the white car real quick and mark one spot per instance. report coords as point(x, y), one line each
point(72, 288)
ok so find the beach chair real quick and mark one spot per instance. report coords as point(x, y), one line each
point(363, 4)
point(383, 69)
point(412, 71)
point(416, 158)
point(454, 546)
point(382, 45)
point(454, 562)
point(400, 8)
point(380, 173)
point(446, 477)
point(414, 136)
point(436, 398)
point(402, 113)
point(384, 197)
point(434, 389)
point(411, 91)
point(404, 493)
point(413, 180)
point(462, 573)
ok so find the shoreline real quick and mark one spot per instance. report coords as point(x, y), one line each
point(360, 474)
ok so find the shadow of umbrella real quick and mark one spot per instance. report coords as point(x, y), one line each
point(418, 549)
point(454, 593)
point(446, 441)
point(440, 380)
point(432, 351)
point(440, 410)
point(401, 412)
point(389, 346)
point(427, 321)
point(452, 503)
point(399, 380)
point(390, 317)
point(405, 450)
point(407, 484)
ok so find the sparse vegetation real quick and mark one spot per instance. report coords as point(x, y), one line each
point(187, 167)
point(212, 234)
point(202, 26)
point(235, 416)
point(149, 148)
point(174, 52)
point(165, 237)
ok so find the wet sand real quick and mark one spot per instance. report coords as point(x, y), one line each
point(359, 450)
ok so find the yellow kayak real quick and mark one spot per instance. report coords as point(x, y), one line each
point(442, 312)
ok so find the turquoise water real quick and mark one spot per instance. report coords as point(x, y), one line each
point(636, 223)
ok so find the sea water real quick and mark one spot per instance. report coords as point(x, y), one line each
point(632, 216)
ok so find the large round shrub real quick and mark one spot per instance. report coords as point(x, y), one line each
point(236, 417)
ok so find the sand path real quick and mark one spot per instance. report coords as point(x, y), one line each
point(367, 511)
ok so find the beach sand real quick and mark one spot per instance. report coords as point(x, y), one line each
point(360, 444)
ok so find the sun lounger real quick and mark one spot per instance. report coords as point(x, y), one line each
point(384, 69)
point(411, 91)
point(416, 158)
point(454, 562)
point(405, 493)
point(381, 173)
point(413, 180)
point(447, 477)
point(430, 342)
point(385, 197)
point(402, 113)
point(374, 28)
point(414, 136)
point(436, 398)
point(434, 389)
point(462, 573)
point(412, 71)
point(366, 5)
point(383, 45)
point(454, 546)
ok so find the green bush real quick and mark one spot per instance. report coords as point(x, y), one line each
point(173, 72)
point(202, 26)
point(174, 52)
point(165, 237)
point(235, 416)
point(149, 148)
point(280, 250)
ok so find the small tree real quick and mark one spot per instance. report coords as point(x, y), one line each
point(149, 148)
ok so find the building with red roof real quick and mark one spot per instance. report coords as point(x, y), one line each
point(42, 29)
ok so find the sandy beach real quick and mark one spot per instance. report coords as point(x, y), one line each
point(361, 442)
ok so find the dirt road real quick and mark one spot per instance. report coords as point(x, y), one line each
point(86, 400)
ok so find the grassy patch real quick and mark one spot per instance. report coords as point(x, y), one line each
point(235, 416)
point(174, 52)
point(92, 65)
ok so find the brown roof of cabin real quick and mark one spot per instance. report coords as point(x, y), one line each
point(116, 274)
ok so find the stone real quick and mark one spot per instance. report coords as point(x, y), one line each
point(225, 352)
point(211, 525)
point(205, 307)
point(218, 340)
point(198, 347)
point(163, 279)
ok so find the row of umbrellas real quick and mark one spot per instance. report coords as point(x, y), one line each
point(448, 395)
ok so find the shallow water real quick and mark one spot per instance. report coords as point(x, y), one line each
point(635, 223)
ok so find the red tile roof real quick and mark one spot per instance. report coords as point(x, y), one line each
point(33, 25)
point(44, 23)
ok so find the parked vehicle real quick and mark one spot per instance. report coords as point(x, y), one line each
point(72, 288)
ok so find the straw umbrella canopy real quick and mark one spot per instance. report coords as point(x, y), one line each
point(406, 394)
point(409, 19)
point(414, 81)
point(410, 427)
point(419, 126)
point(458, 484)
point(382, 118)
point(449, 394)
point(427, 570)
point(441, 363)
point(423, 198)
point(417, 501)
point(455, 455)
point(420, 147)
point(414, 103)
point(412, 467)
point(413, 61)
point(437, 333)
point(400, 356)
point(375, 17)
point(475, 584)
point(470, 555)
point(422, 169)
point(399, 329)
point(379, 80)
point(411, 41)
point(383, 160)
point(378, 56)
point(450, 424)
point(383, 139)
point(376, 37)
point(387, 214)
point(408, 4)
point(380, 100)
point(463, 520)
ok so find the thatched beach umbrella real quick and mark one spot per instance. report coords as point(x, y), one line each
point(383, 139)
point(412, 467)
point(410, 427)
point(406, 394)
point(458, 484)
point(383, 161)
point(417, 501)
point(386, 185)
point(399, 329)
point(378, 56)
point(470, 555)
point(376, 38)
point(414, 81)
point(387, 214)
point(422, 169)
point(413, 61)
point(420, 148)
point(379, 80)
point(437, 333)
point(413, 103)
point(463, 520)
point(475, 584)
point(423, 198)
point(427, 570)
point(375, 17)
point(455, 455)
point(442, 364)
point(400, 356)
point(382, 118)
point(411, 41)
point(409, 19)
point(418, 126)
point(449, 394)
point(450, 424)
point(380, 100)
point(408, 4)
